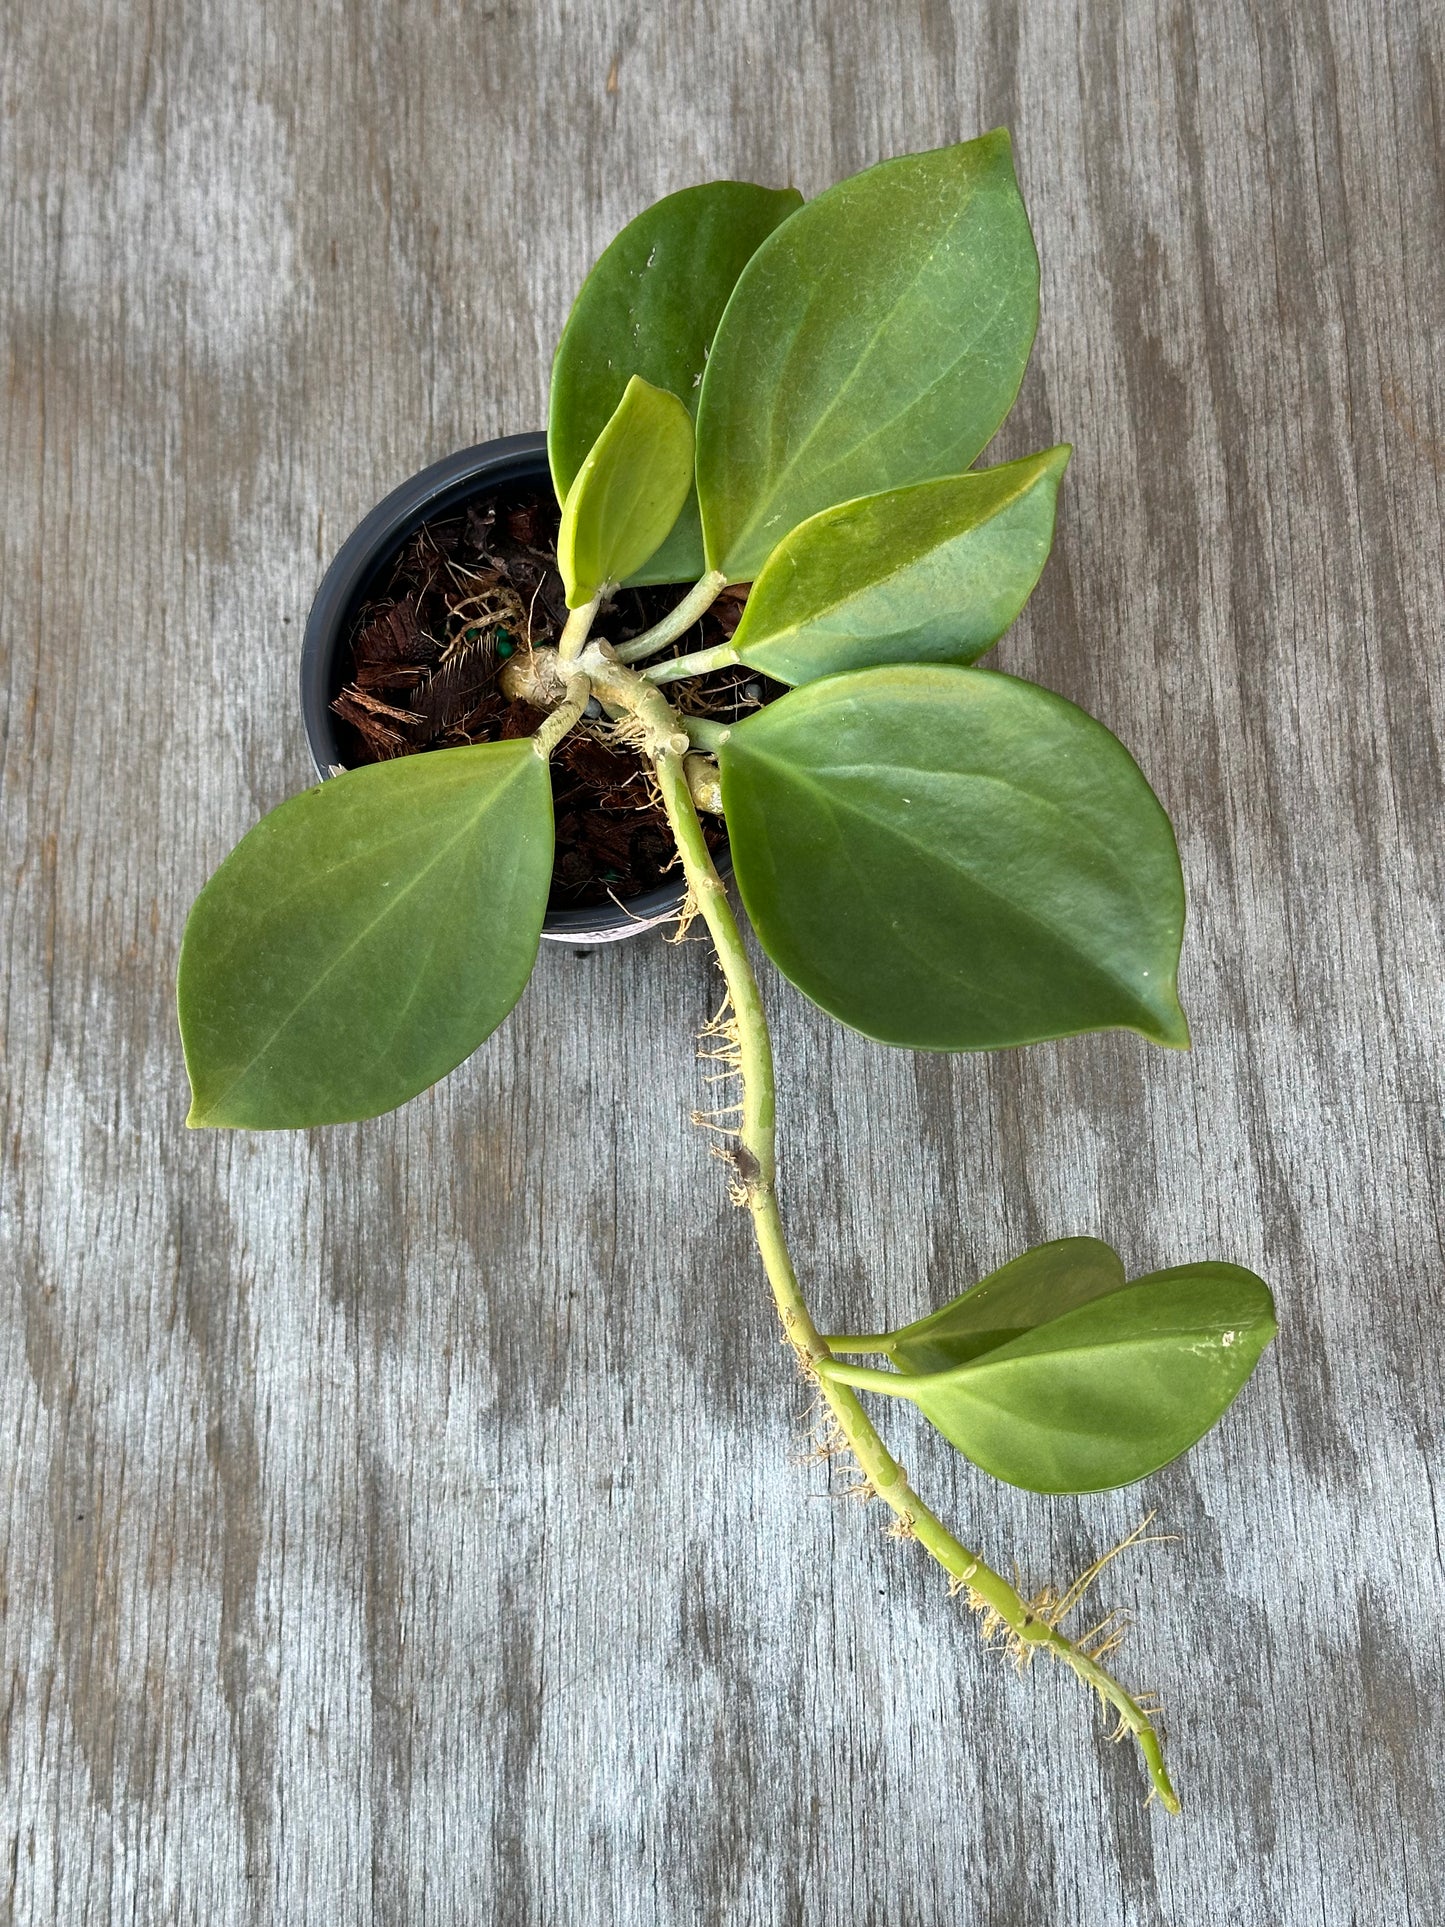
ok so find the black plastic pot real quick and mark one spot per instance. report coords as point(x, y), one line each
point(362, 559)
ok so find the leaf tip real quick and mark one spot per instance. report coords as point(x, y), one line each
point(1168, 1025)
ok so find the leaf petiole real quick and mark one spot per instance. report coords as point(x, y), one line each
point(723, 656)
point(866, 1377)
point(577, 628)
point(699, 598)
point(702, 733)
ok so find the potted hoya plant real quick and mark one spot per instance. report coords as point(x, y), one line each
point(753, 390)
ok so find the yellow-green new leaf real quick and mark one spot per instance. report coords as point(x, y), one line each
point(650, 307)
point(627, 494)
point(931, 573)
point(366, 937)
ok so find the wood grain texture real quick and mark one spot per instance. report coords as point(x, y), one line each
point(403, 1524)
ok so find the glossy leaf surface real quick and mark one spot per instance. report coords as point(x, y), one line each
point(628, 492)
point(366, 937)
point(650, 307)
point(876, 339)
point(1110, 1391)
point(1042, 1284)
point(951, 859)
point(931, 573)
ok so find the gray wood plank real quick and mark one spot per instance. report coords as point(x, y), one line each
point(397, 1531)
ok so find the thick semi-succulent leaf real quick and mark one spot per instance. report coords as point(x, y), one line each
point(650, 307)
point(628, 492)
point(1107, 1393)
point(931, 573)
point(1042, 1284)
point(876, 339)
point(366, 937)
point(951, 859)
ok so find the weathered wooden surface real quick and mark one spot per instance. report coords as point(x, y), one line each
point(404, 1524)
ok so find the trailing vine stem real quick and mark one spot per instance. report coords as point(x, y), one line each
point(1027, 1627)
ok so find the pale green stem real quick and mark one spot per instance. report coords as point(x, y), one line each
point(723, 656)
point(699, 598)
point(577, 628)
point(704, 734)
point(869, 1342)
point(754, 1160)
point(866, 1377)
point(564, 717)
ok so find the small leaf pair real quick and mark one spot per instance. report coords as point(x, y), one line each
point(935, 572)
point(1058, 1375)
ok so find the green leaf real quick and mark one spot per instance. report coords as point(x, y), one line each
point(627, 494)
point(876, 339)
point(1105, 1394)
point(366, 937)
point(1042, 1284)
point(650, 307)
point(931, 573)
point(951, 859)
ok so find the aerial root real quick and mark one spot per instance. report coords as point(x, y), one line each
point(997, 1635)
point(1074, 1595)
point(1104, 1638)
point(686, 917)
point(733, 1155)
point(720, 1040)
point(820, 1436)
point(826, 1441)
point(1051, 1608)
point(994, 1630)
point(630, 732)
point(722, 1023)
point(861, 1489)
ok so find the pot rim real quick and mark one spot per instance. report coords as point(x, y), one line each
point(435, 489)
